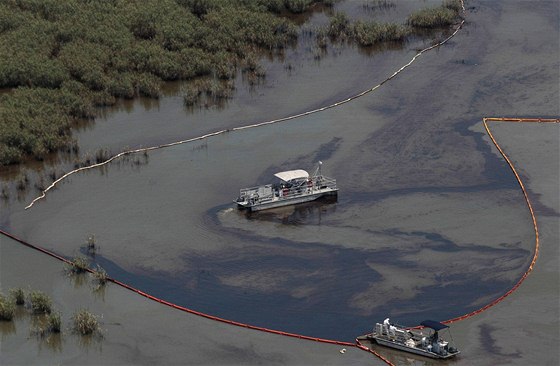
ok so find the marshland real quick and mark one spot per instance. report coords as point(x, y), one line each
point(429, 222)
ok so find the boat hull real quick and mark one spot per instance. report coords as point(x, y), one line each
point(280, 202)
point(415, 350)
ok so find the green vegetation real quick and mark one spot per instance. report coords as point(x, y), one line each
point(440, 16)
point(40, 302)
point(45, 321)
point(100, 276)
point(78, 265)
point(18, 295)
point(54, 323)
point(7, 308)
point(300, 6)
point(62, 59)
point(363, 33)
point(369, 33)
point(339, 26)
point(85, 322)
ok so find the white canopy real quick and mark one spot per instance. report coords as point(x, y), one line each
point(292, 174)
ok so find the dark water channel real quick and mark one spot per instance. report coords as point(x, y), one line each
point(429, 222)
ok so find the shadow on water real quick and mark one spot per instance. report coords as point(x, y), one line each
point(305, 213)
point(400, 358)
point(7, 328)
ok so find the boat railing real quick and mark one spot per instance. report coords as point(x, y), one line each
point(245, 192)
point(304, 188)
point(321, 182)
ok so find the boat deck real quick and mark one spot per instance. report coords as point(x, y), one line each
point(287, 193)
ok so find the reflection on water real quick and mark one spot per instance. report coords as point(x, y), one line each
point(52, 341)
point(99, 291)
point(7, 327)
point(39, 328)
point(301, 214)
point(91, 341)
point(400, 358)
point(78, 279)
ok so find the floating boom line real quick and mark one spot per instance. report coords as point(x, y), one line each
point(260, 124)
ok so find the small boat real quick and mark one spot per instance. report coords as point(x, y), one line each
point(413, 339)
point(294, 186)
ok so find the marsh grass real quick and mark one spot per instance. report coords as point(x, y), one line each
point(77, 266)
point(44, 325)
point(208, 93)
point(7, 308)
point(40, 302)
point(64, 59)
point(54, 322)
point(339, 26)
point(85, 323)
point(100, 277)
point(18, 295)
point(364, 33)
point(436, 17)
point(370, 33)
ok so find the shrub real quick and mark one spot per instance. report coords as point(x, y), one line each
point(338, 26)
point(147, 85)
point(44, 326)
point(454, 5)
point(191, 95)
point(18, 295)
point(367, 34)
point(433, 17)
point(85, 322)
point(40, 303)
point(7, 308)
point(78, 265)
point(100, 276)
point(65, 58)
point(32, 121)
point(54, 322)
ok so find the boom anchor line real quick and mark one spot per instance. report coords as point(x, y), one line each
point(260, 124)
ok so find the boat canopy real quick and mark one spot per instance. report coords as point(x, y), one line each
point(292, 174)
point(434, 325)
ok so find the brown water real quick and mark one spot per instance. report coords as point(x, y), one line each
point(428, 223)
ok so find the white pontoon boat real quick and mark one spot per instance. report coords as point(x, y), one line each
point(295, 186)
